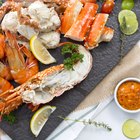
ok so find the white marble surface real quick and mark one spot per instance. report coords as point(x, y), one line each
point(115, 118)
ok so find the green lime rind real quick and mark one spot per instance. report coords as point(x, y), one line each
point(131, 129)
point(128, 4)
point(128, 22)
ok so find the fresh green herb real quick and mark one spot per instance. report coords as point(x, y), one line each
point(70, 61)
point(89, 122)
point(74, 55)
point(10, 118)
point(69, 48)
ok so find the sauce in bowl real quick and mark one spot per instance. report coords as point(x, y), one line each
point(128, 95)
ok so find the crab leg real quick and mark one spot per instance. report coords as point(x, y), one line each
point(96, 31)
point(82, 24)
point(70, 15)
point(107, 34)
point(85, 1)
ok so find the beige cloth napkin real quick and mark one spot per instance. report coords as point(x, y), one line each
point(129, 66)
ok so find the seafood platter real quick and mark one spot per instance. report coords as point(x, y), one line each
point(54, 52)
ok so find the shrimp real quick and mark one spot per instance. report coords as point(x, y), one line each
point(2, 45)
point(4, 85)
point(5, 71)
point(21, 69)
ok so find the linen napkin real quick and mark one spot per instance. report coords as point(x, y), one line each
point(129, 66)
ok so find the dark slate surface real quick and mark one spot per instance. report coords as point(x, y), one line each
point(106, 56)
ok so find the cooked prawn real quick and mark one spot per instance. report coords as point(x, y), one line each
point(5, 71)
point(4, 85)
point(2, 45)
point(20, 68)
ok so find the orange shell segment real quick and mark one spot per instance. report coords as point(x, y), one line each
point(96, 31)
point(70, 15)
point(82, 24)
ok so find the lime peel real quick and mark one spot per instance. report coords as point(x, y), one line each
point(128, 4)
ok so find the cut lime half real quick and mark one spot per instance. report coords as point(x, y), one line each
point(128, 14)
point(131, 129)
point(128, 22)
point(40, 118)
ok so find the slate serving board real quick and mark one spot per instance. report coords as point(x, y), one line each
point(106, 56)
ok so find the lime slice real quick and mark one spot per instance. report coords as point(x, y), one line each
point(128, 4)
point(129, 28)
point(40, 52)
point(40, 118)
point(128, 14)
point(131, 129)
point(128, 22)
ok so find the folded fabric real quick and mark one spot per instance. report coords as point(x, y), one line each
point(129, 66)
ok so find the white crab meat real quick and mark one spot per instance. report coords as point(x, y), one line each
point(10, 22)
point(57, 83)
point(47, 18)
point(50, 40)
point(26, 31)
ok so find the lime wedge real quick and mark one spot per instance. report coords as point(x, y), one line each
point(40, 118)
point(131, 129)
point(128, 22)
point(40, 52)
point(128, 4)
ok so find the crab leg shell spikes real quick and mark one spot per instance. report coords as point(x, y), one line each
point(96, 31)
point(82, 24)
point(70, 15)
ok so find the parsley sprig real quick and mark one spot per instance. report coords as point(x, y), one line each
point(73, 55)
point(10, 118)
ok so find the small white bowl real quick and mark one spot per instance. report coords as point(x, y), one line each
point(115, 94)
